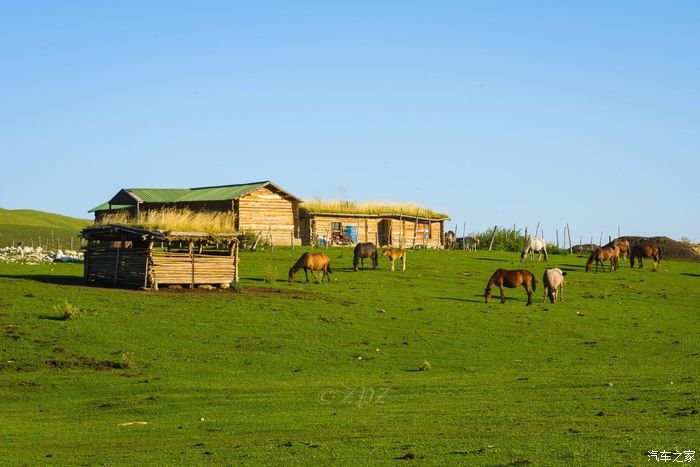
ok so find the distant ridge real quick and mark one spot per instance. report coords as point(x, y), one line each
point(39, 228)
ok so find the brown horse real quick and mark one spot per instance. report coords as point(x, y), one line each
point(640, 251)
point(511, 279)
point(601, 254)
point(623, 245)
point(394, 254)
point(314, 262)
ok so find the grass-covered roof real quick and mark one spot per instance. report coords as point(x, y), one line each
point(371, 208)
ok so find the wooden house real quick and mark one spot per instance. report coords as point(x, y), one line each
point(124, 256)
point(389, 228)
point(260, 207)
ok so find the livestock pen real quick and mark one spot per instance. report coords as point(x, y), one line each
point(131, 257)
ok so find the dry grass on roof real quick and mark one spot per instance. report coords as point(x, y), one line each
point(174, 219)
point(370, 207)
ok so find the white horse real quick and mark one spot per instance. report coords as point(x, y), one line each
point(535, 244)
point(553, 280)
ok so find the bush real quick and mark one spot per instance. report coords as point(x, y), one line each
point(249, 237)
point(269, 274)
point(127, 361)
point(66, 311)
point(510, 240)
point(235, 287)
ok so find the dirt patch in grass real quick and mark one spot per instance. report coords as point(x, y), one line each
point(81, 361)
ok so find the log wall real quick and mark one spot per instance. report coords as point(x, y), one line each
point(186, 269)
point(116, 266)
point(269, 212)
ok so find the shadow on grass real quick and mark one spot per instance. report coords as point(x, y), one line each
point(48, 279)
point(690, 274)
point(51, 317)
point(480, 299)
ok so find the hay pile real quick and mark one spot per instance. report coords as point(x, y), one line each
point(174, 219)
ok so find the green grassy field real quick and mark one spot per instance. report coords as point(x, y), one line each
point(308, 373)
point(39, 228)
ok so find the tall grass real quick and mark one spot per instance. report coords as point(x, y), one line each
point(370, 207)
point(175, 219)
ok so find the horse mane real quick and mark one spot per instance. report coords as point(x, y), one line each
point(300, 263)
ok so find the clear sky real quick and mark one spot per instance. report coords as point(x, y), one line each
point(495, 112)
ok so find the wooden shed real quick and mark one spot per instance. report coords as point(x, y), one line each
point(131, 257)
point(384, 229)
point(260, 207)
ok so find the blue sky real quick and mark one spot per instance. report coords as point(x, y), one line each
point(495, 112)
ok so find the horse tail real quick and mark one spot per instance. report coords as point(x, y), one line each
point(328, 268)
point(534, 282)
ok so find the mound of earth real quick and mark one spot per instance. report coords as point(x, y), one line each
point(670, 249)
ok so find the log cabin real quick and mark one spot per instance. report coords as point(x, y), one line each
point(388, 227)
point(260, 207)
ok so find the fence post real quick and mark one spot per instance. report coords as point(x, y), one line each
point(493, 237)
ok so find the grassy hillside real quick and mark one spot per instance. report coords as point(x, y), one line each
point(304, 373)
point(38, 227)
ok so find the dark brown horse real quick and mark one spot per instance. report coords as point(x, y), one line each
point(511, 279)
point(640, 251)
point(314, 262)
point(362, 251)
point(601, 254)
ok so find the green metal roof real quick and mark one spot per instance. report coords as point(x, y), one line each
point(159, 195)
point(179, 195)
point(105, 207)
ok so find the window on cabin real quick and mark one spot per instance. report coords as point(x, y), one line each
point(423, 229)
point(336, 228)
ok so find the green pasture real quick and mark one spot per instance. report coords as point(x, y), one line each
point(39, 228)
point(319, 374)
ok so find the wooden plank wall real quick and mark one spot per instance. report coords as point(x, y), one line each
point(115, 266)
point(268, 212)
point(184, 269)
point(406, 228)
point(317, 225)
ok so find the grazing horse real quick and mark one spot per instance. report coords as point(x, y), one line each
point(394, 254)
point(314, 262)
point(640, 251)
point(362, 251)
point(471, 243)
point(511, 279)
point(450, 240)
point(535, 244)
point(623, 245)
point(601, 254)
point(553, 280)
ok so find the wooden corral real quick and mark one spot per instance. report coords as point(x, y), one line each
point(383, 229)
point(137, 258)
point(262, 207)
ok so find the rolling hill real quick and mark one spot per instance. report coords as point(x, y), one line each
point(38, 228)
